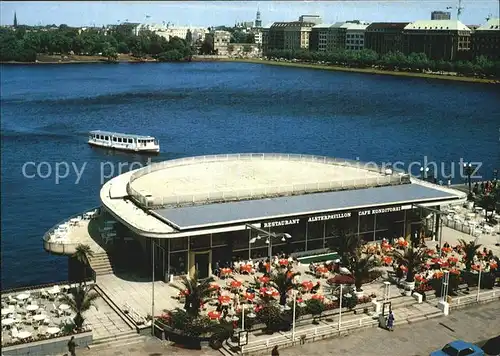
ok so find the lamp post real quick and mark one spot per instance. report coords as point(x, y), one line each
point(293, 315)
point(479, 282)
point(423, 172)
point(153, 288)
point(340, 307)
point(284, 237)
point(243, 317)
point(468, 171)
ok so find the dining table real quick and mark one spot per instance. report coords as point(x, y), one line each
point(24, 335)
point(53, 330)
point(32, 307)
point(39, 317)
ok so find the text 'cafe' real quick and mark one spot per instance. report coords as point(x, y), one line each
point(317, 231)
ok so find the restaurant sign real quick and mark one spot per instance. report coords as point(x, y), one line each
point(391, 209)
point(329, 217)
point(280, 223)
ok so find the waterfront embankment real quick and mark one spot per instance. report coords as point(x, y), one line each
point(123, 58)
point(368, 71)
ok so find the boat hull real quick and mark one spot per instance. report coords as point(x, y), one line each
point(148, 151)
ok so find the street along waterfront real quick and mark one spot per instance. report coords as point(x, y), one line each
point(208, 108)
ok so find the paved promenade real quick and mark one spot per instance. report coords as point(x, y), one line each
point(472, 324)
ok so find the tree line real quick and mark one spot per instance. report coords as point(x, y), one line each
point(23, 43)
point(414, 62)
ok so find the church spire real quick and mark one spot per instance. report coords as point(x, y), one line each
point(15, 19)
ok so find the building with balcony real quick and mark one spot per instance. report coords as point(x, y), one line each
point(440, 15)
point(327, 37)
point(385, 37)
point(486, 40)
point(289, 35)
point(447, 40)
point(183, 215)
point(354, 36)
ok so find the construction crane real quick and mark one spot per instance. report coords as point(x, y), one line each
point(459, 9)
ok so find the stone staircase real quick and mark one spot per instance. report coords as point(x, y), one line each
point(126, 338)
point(101, 263)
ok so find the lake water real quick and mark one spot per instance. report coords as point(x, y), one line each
point(208, 108)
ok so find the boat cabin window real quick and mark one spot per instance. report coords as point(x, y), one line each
point(130, 140)
point(106, 138)
point(114, 139)
point(119, 139)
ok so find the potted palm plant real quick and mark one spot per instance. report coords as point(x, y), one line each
point(412, 258)
point(361, 268)
point(83, 254)
point(470, 249)
point(80, 300)
point(283, 282)
point(197, 292)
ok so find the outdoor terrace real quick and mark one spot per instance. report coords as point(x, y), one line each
point(64, 237)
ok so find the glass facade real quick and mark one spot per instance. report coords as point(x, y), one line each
point(307, 234)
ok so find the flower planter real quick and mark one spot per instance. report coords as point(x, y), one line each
point(51, 346)
point(359, 294)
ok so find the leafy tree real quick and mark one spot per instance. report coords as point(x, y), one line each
point(470, 249)
point(315, 307)
point(80, 300)
point(247, 49)
point(172, 55)
point(230, 48)
point(207, 46)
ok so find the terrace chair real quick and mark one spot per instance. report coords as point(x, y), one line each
point(12, 300)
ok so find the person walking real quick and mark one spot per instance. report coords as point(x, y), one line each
point(275, 351)
point(72, 346)
point(390, 321)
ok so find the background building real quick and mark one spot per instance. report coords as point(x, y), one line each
point(220, 42)
point(327, 37)
point(384, 37)
point(258, 20)
point(448, 40)
point(289, 35)
point(354, 36)
point(315, 19)
point(440, 15)
point(486, 40)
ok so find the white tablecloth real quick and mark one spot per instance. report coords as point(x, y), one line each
point(8, 321)
point(64, 307)
point(39, 317)
point(23, 296)
point(24, 334)
point(6, 311)
point(53, 330)
point(32, 307)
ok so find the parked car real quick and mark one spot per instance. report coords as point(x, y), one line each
point(459, 348)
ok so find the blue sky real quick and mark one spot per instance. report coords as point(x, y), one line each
point(208, 13)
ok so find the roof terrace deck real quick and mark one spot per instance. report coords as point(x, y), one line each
point(208, 179)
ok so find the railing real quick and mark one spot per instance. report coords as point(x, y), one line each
point(61, 247)
point(461, 226)
point(474, 298)
point(231, 195)
point(322, 331)
point(89, 281)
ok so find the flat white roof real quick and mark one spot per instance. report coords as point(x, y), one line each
point(200, 178)
point(203, 216)
point(441, 25)
point(111, 133)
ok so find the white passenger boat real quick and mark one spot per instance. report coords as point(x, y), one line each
point(124, 142)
